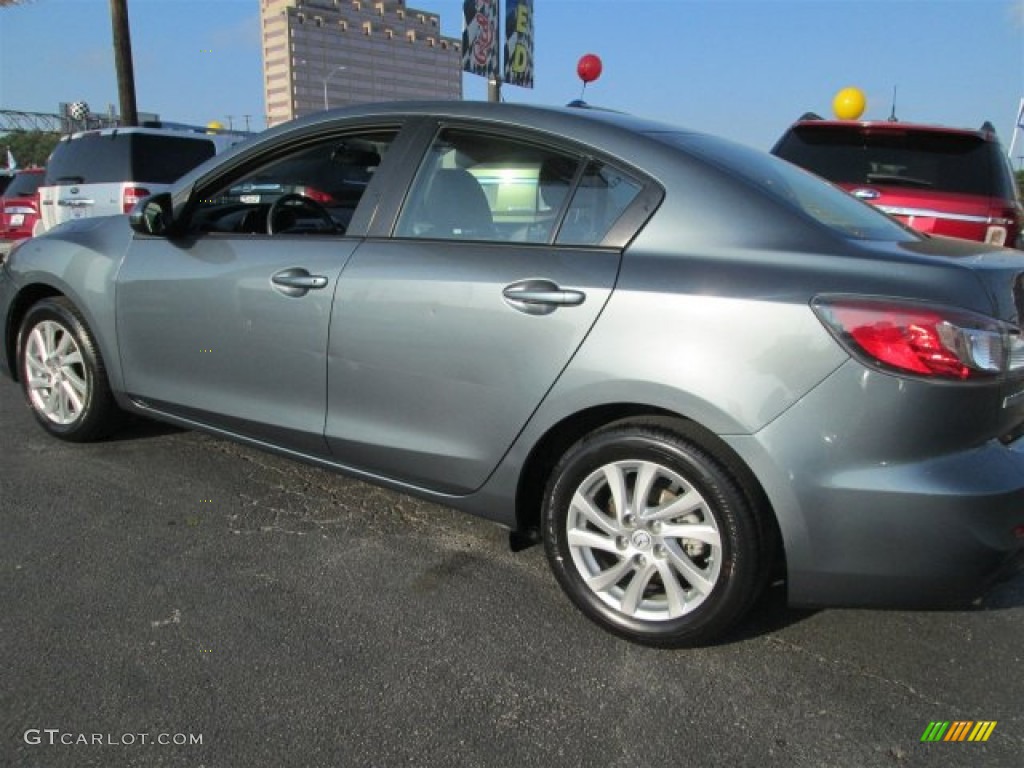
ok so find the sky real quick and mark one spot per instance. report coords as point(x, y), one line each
point(742, 69)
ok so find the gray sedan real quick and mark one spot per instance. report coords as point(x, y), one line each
point(686, 367)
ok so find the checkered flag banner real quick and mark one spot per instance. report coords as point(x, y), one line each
point(519, 43)
point(480, 37)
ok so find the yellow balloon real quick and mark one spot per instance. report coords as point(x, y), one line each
point(849, 103)
point(214, 126)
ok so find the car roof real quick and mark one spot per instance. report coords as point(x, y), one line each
point(594, 127)
point(550, 117)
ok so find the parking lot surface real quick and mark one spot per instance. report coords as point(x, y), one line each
point(168, 586)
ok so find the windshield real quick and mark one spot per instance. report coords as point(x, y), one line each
point(795, 188)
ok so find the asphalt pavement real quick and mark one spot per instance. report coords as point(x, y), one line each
point(249, 611)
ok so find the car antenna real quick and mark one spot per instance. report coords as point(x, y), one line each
point(892, 114)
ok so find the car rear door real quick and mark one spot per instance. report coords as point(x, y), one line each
point(455, 317)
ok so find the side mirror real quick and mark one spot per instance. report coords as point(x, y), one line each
point(152, 215)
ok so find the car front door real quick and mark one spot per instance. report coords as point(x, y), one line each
point(449, 328)
point(227, 324)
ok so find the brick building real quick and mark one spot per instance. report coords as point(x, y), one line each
point(338, 52)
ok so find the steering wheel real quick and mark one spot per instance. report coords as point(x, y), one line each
point(296, 201)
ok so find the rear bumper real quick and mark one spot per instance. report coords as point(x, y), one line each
point(877, 505)
point(942, 543)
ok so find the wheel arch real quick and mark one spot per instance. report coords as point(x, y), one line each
point(24, 301)
point(100, 323)
point(535, 475)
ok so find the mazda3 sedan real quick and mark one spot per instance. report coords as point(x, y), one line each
point(686, 367)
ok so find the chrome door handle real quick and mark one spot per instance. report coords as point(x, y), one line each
point(554, 298)
point(301, 281)
point(540, 297)
point(297, 281)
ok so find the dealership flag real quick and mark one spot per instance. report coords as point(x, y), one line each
point(480, 38)
point(11, 162)
point(519, 43)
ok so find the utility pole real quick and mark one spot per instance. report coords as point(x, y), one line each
point(123, 62)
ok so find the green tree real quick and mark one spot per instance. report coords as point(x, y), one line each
point(1020, 181)
point(29, 147)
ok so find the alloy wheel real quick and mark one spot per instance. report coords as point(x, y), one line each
point(644, 540)
point(55, 373)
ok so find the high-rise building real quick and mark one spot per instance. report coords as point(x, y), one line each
point(329, 53)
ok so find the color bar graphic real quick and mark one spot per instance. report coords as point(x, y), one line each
point(958, 730)
point(982, 730)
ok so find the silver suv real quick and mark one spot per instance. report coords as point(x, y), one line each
point(102, 173)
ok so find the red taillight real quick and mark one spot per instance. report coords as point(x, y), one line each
point(131, 196)
point(926, 340)
point(903, 340)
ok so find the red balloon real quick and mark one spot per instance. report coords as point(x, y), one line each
point(589, 68)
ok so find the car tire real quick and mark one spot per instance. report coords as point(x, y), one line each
point(677, 561)
point(62, 373)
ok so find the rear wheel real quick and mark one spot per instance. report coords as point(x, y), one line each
point(651, 537)
point(62, 373)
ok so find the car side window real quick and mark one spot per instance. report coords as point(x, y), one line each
point(314, 190)
point(600, 198)
point(474, 186)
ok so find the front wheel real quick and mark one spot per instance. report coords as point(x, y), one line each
point(62, 373)
point(651, 537)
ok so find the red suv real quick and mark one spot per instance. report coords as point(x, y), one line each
point(943, 181)
point(19, 206)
